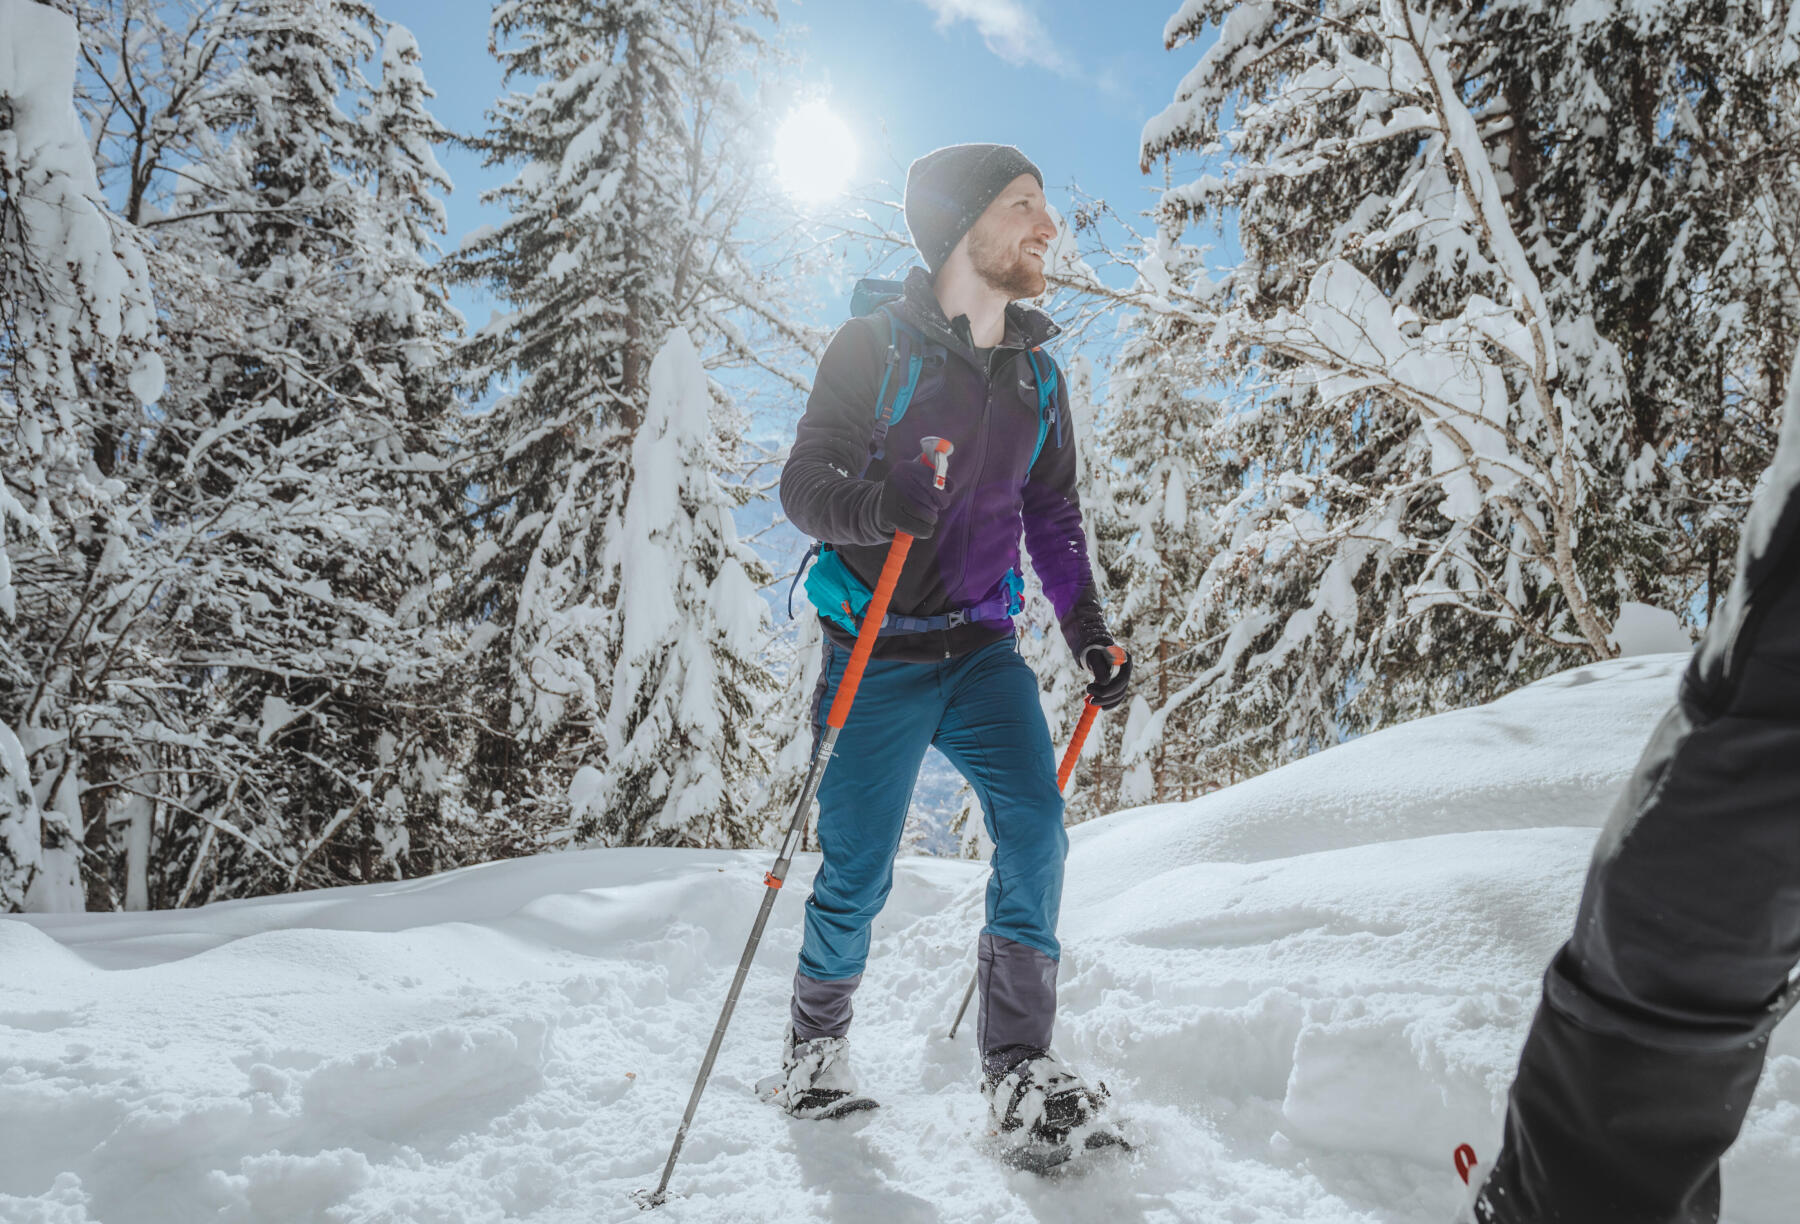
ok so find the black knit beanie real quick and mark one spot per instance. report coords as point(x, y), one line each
point(948, 189)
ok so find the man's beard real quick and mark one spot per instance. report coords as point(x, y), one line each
point(1013, 273)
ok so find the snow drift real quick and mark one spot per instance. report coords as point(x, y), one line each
point(1305, 990)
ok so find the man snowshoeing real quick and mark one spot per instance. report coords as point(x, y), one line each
point(946, 670)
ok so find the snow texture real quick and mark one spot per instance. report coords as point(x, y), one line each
point(1641, 629)
point(21, 835)
point(1304, 991)
point(95, 289)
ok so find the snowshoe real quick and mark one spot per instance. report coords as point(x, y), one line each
point(1044, 1115)
point(815, 1079)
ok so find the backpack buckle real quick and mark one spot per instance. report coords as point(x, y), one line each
point(956, 618)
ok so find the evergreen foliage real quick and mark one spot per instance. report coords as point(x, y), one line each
point(78, 364)
point(251, 668)
point(680, 764)
point(303, 450)
point(1499, 351)
point(1155, 545)
point(637, 171)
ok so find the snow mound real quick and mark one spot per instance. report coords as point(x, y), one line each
point(1303, 992)
point(1552, 753)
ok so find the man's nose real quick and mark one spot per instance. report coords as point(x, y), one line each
point(1046, 227)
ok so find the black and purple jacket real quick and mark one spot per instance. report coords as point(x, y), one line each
point(998, 492)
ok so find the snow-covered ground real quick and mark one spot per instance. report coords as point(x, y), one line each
point(1305, 991)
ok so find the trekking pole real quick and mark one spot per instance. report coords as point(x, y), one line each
point(1089, 711)
point(936, 454)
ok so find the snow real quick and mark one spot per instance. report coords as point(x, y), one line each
point(37, 78)
point(674, 768)
point(21, 824)
point(1303, 990)
point(1642, 629)
point(97, 291)
point(1419, 57)
point(276, 714)
point(148, 378)
point(1463, 401)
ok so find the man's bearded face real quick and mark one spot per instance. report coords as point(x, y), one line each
point(1008, 243)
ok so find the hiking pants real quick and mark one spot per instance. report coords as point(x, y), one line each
point(1656, 1015)
point(981, 711)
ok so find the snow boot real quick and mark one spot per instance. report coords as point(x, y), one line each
point(1045, 1114)
point(815, 1080)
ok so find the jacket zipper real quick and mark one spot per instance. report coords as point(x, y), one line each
point(981, 442)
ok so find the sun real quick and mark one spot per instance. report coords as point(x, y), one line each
point(815, 153)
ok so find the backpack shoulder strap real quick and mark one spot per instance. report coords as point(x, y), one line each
point(1045, 370)
point(904, 361)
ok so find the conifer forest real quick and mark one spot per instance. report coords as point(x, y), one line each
point(1449, 357)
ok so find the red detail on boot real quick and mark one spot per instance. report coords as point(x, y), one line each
point(770, 880)
point(1465, 1162)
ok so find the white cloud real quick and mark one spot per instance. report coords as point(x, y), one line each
point(1010, 29)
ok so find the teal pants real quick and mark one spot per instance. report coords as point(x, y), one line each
point(982, 712)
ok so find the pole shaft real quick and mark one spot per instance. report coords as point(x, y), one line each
point(1088, 711)
point(840, 711)
point(961, 1011)
point(776, 876)
point(871, 627)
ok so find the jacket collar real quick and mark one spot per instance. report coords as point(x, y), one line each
point(1026, 326)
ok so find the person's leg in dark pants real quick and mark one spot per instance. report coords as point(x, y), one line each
point(1643, 1057)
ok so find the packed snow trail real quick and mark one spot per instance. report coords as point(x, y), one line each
point(1303, 991)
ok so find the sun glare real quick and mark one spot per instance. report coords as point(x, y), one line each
point(815, 154)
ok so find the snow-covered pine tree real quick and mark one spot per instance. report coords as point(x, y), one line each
point(407, 324)
point(1661, 178)
point(677, 761)
point(1061, 680)
point(1157, 537)
point(1447, 435)
point(639, 156)
point(22, 829)
point(77, 364)
point(299, 454)
point(787, 722)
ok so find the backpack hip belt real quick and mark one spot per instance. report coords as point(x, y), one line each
point(842, 598)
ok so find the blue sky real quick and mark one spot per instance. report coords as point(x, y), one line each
point(1071, 82)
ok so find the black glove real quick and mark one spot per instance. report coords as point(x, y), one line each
point(911, 501)
point(1112, 672)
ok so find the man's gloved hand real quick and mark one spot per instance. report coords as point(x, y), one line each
point(911, 501)
point(1112, 672)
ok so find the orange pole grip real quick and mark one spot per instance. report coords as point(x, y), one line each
point(871, 625)
point(1067, 769)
